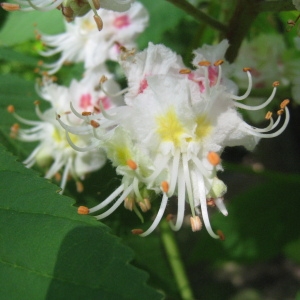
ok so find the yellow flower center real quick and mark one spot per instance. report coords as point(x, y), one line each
point(169, 127)
point(203, 127)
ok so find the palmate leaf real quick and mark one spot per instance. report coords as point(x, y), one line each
point(47, 251)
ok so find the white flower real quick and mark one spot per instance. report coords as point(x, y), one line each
point(82, 42)
point(54, 148)
point(180, 128)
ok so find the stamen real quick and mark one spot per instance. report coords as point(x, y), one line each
point(213, 158)
point(221, 235)
point(99, 22)
point(284, 103)
point(131, 164)
point(204, 63)
point(144, 206)
point(185, 71)
point(14, 129)
point(10, 109)
point(196, 223)
point(247, 93)
point(137, 231)
point(268, 115)
point(165, 186)
point(83, 210)
point(280, 112)
point(97, 4)
point(86, 113)
point(218, 62)
point(95, 124)
point(10, 6)
point(169, 217)
point(210, 202)
point(43, 8)
point(159, 215)
point(129, 203)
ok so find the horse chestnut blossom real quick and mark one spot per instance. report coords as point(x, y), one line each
point(53, 150)
point(70, 8)
point(82, 42)
point(169, 137)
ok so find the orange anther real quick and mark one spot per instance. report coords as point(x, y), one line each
point(97, 4)
point(204, 63)
point(99, 22)
point(280, 112)
point(137, 231)
point(11, 109)
point(79, 187)
point(268, 115)
point(15, 127)
point(83, 210)
point(103, 79)
point(10, 6)
point(210, 202)
point(221, 235)
point(213, 158)
point(275, 83)
point(57, 176)
point(95, 124)
point(129, 203)
point(185, 71)
point(218, 62)
point(246, 69)
point(165, 186)
point(169, 217)
point(284, 103)
point(131, 164)
point(36, 102)
point(40, 63)
point(86, 113)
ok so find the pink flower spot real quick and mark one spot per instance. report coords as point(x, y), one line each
point(106, 103)
point(85, 101)
point(143, 85)
point(121, 21)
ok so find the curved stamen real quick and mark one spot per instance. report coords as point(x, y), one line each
point(109, 199)
point(158, 216)
point(117, 204)
point(161, 165)
point(136, 189)
point(204, 209)
point(247, 93)
point(55, 167)
point(65, 175)
point(80, 149)
point(30, 160)
point(78, 130)
point(244, 106)
point(174, 172)
point(276, 133)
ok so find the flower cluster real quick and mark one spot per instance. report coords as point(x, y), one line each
point(168, 138)
point(83, 42)
point(70, 8)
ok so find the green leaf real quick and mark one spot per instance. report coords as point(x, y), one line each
point(48, 251)
point(163, 16)
point(23, 24)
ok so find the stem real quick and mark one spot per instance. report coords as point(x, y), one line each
point(275, 6)
point(173, 255)
point(239, 26)
point(198, 14)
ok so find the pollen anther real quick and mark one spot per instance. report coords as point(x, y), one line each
point(284, 103)
point(86, 113)
point(131, 164)
point(83, 210)
point(10, 109)
point(137, 231)
point(275, 83)
point(99, 22)
point(218, 62)
point(95, 124)
point(268, 115)
point(10, 6)
point(196, 223)
point(185, 71)
point(247, 69)
point(165, 186)
point(204, 63)
point(221, 235)
point(213, 158)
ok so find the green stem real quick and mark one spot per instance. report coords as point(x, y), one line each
point(198, 14)
point(173, 255)
point(275, 6)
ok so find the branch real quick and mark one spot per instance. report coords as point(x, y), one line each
point(198, 14)
point(275, 6)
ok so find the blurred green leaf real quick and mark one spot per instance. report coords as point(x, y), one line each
point(19, 26)
point(163, 16)
point(48, 251)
